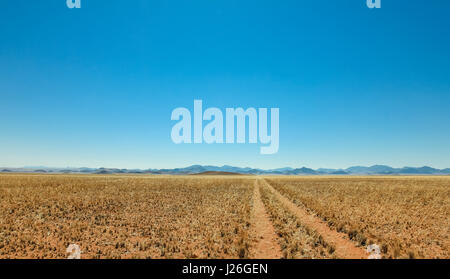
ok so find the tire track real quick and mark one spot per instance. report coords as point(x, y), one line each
point(266, 245)
point(344, 248)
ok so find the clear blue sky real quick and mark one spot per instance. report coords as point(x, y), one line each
point(96, 86)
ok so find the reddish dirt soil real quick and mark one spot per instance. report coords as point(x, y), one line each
point(266, 246)
point(345, 248)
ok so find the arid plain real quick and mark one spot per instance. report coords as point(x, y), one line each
point(144, 216)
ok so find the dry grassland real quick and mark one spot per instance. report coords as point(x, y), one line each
point(125, 216)
point(408, 217)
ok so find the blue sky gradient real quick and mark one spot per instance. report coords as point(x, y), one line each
point(96, 86)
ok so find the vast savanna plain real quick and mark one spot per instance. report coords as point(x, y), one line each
point(224, 216)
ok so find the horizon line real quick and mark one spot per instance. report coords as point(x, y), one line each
point(225, 165)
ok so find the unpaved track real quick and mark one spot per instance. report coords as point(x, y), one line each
point(266, 245)
point(344, 248)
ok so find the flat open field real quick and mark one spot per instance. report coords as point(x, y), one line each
point(125, 216)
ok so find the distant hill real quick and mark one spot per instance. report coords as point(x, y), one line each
point(223, 170)
point(217, 173)
point(339, 172)
point(422, 170)
point(376, 169)
point(303, 170)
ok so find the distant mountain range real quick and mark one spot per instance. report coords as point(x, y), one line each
point(195, 169)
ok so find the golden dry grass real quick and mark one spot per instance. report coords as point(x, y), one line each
point(407, 216)
point(296, 240)
point(126, 216)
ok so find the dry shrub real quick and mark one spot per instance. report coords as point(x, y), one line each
point(124, 216)
point(296, 241)
point(407, 216)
